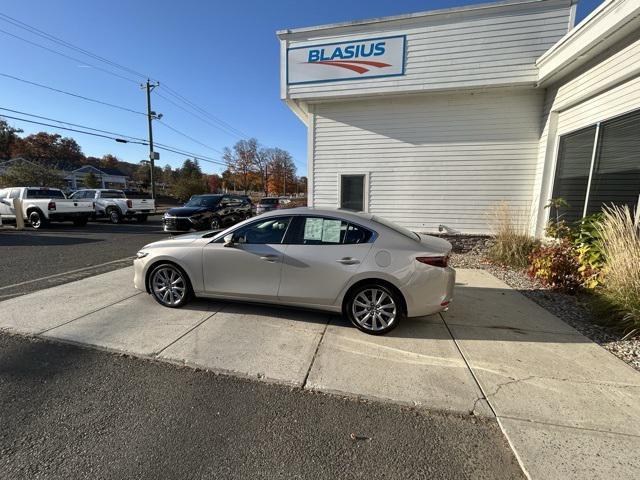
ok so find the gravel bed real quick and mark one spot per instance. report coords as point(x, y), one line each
point(470, 252)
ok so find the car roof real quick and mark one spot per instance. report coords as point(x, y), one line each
point(330, 212)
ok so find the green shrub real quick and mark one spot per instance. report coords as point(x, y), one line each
point(585, 238)
point(512, 242)
point(556, 266)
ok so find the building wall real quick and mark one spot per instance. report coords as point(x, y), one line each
point(606, 87)
point(433, 158)
point(494, 45)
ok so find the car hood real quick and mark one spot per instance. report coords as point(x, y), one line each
point(435, 244)
point(185, 211)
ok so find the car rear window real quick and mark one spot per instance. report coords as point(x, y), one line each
point(394, 226)
point(269, 201)
point(112, 194)
point(44, 193)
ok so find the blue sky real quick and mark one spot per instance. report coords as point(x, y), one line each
point(221, 55)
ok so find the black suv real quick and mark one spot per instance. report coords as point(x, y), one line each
point(207, 212)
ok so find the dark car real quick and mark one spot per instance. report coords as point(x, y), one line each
point(267, 204)
point(204, 212)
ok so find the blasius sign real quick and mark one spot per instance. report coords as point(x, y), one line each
point(352, 60)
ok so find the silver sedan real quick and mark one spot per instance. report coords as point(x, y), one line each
point(373, 271)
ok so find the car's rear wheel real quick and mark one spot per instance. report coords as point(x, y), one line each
point(170, 286)
point(36, 219)
point(374, 309)
point(114, 215)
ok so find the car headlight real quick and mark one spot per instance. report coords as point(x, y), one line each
point(141, 254)
point(166, 215)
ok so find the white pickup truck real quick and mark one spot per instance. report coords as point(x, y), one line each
point(115, 206)
point(41, 205)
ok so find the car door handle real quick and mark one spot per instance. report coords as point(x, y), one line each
point(269, 258)
point(348, 261)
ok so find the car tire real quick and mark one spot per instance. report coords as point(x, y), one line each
point(168, 281)
point(141, 218)
point(114, 215)
point(80, 222)
point(37, 219)
point(374, 308)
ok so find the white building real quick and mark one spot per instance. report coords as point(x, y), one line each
point(432, 118)
point(108, 177)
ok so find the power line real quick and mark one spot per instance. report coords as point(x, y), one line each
point(72, 124)
point(188, 136)
point(76, 95)
point(120, 138)
point(221, 124)
point(67, 56)
point(66, 44)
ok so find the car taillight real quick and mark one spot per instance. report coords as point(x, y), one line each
point(51, 206)
point(441, 262)
point(278, 206)
point(129, 204)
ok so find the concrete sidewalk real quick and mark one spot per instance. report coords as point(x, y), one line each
point(568, 407)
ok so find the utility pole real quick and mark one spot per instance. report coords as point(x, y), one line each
point(153, 156)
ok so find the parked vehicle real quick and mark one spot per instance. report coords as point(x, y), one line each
point(207, 212)
point(267, 204)
point(373, 271)
point(115, 206)
point(41, 205)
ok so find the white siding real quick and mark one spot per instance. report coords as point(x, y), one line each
point(608, 87)
point(478, 48)
point(432, 159)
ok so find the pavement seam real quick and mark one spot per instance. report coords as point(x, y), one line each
point(65, 273)
point(573, 427)
point(86, 314)
point(315, 354)
point(159, 352)
point(475, 378)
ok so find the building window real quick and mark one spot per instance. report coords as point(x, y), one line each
point(352, 192)
point(599, 165)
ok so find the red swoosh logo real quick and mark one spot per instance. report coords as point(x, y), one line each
point(353, 65)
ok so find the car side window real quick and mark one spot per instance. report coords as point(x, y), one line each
point(15, 193)
point(328, 231)
point(266, 231)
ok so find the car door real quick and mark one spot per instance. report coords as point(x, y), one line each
point(322, 255)
point(5, 210)
point(251, 267)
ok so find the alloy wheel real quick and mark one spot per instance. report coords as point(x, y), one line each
point(35, 220)
point(374, 309)
point(169, 285)
point(215, 224)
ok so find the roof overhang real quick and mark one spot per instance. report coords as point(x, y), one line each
point(605, 26)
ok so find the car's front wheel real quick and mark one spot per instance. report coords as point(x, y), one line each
point(169, 285)
point(374, 309)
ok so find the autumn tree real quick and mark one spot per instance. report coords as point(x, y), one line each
point(282, 172)
point(49, 149)
point(109, 161)
point(26, 173)
point(8, 138)
point(189, 180)
point(241, 159)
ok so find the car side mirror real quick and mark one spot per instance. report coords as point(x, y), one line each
point(229, 240)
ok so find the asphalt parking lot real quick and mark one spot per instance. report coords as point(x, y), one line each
point(71, 412)
point(61, 253)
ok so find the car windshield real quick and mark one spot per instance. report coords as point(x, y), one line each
point(44, 193)
point(112, 194)
point(203, 201)
point(395, 227)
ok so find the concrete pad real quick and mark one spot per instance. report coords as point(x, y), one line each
point(45, 309)
point(565, 380)
point(550, 451)
point(272, 343)
point(481, 299)
point(137, 325)
point(417, 364)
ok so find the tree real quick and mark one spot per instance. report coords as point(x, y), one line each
point(185, 187)
point(91, 181)
point(282, 172)
point(8, 138)
point(242, 159)
point(25, 173)
point(214, 183)
point(109, 161)
point(50, 149)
